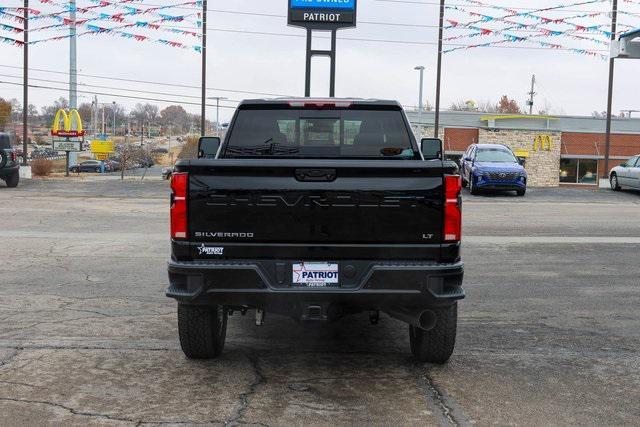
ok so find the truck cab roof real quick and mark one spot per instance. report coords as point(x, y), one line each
point(320, 102)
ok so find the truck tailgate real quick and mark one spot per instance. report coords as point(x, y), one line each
point(315, 201)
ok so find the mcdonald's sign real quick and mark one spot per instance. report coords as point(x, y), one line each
point(543, 143)
point(71, 124)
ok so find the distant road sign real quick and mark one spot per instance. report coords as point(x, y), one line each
point(322, 14)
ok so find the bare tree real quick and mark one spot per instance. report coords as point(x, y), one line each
point(487, 107)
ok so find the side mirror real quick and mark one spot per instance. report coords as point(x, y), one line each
point(522, 161)
point(432, 148)
point(208, 147)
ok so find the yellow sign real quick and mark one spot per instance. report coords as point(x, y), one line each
point(99, 146)
point(101, 156)
point(71, 124)
point(543, 143)
point(521, 153)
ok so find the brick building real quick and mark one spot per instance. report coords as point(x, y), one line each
point(560, 150)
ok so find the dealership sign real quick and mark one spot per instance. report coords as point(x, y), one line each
point(322, 14)
point(102, 146)
point(67, 145)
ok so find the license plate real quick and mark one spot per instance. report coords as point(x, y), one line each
point(315, 274)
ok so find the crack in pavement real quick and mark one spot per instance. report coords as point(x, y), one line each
point(260, 379)
point(11, 356)
point(451, 413)
point(69, 409)
point(439, 401)
point(107, 416)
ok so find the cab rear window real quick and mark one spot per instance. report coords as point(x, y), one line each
point(320, 134)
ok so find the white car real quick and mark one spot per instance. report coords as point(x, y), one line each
point(627, 175)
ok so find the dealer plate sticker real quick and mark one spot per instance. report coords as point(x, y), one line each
point(315, 274)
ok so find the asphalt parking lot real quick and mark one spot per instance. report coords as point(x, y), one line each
point(549, 332)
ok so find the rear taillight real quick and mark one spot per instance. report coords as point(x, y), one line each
point(13, 156)
point(179, 188)
point(452, 208)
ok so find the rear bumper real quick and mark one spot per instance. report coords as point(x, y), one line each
point(8, 171)
point(267, 285)
point(501, 185)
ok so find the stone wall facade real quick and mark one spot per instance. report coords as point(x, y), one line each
point(542, 164)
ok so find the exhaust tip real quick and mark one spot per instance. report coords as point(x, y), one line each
point(427, 320)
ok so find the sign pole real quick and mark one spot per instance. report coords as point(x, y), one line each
point(332, 84)
point(322, 15)
point(307, 79)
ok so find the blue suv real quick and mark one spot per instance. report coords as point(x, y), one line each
point(493, 167)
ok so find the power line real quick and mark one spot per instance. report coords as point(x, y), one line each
point(145, 81)
point(117, 88)
point(166, 101)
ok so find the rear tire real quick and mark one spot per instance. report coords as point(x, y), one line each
point(202, 330)
point(436, 345)
point(615, 185)
point(13, 180)
point(472, 187)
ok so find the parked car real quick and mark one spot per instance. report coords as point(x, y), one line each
point(627, 175)
point(167, 172)
point(86, 166)
point(146, 162)
point(493, 167)
point(9, 166)
point(317, 224)
point(112, 165)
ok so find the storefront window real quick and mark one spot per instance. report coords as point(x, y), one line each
point(587, 171)
point(569, 170)
point(579, 171)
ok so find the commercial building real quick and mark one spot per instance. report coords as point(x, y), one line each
point(560, 150)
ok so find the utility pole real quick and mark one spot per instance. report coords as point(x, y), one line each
point(203, 109)
point(439, 72)
point(73, 69)
point(607, 149)
point(532, 94)
point(25, 83)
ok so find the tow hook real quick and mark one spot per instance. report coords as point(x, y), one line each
point(259, 317)
point(374, 317)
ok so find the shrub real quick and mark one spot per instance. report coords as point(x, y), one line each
point(190, 149)
point(41, 167)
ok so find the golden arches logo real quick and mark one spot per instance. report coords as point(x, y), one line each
point(543, 143)
point(71, 124)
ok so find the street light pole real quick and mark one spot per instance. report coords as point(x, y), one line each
point(25, 83)
point(439, 72)
point(218, 99)
point(420, 68)
point(114, 118)
point(607, 144)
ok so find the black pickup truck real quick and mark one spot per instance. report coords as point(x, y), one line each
point(317, 209)
point(9, 166)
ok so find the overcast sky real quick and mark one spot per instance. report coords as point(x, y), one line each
point(568, 83)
